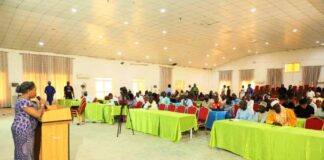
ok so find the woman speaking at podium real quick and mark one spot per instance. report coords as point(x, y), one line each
point(25, 122)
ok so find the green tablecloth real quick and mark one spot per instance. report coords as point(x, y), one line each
point(102, 113)
point(301, 122)
point(168, 125)
point(258, 141)
point(68, 102)
point(109, 112)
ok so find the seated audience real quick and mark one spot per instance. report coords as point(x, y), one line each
point(112, 100)
point(235, 100)
point(304, 110)
point(206, 103)
point(229, 107)
point(310, 93)
point(150, 104)
point(320, 109)
point(312, 104)
point(139, 98)
point(186, 101)
point(280, 116)
point(250, 102)
point(262, 113)
point(243, 112)
point(216, 105)
point(317, 97)
point(164, 99)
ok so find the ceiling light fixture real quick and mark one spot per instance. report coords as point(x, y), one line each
point(234, 48)
point(147, 57)
point(223, 57)
point(164, 32)
point(253, 10)
point(295, 30)
point(249, 51)
point(136, 43)
point(125, 23)
point(170, 59)
point(41, 44)
point(100, 37)
point(267, 43)
point(165, 48)
point(207, 55)
point(216, 44)
point(317, 42)
point(189, 62)
point(162, 10)
point(73, 10)
point(119, 53)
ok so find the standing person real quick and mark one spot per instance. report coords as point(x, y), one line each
point(282, 91)
point(169, 89)
point(223, 90)
point(68, 91)
point(25, 122)
point(228, 92)
point(290, 91)
point(249, 90)
point(83, 89)
point(310, 93)
point(242, 92)
point(49, 91)
point(195, 90)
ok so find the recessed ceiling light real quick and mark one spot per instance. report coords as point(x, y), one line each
point(164, 32)
point(189, 62)
point(317, 42)
point(136, 43)
point(73, 10)
point(249, 51)
point(256, 52)
point(119, 53)
point(253, 10)
point(216, 44)
point(295, 30)
point(125, 23)
point(100, 36)
point(165, 48)
point(162, 10)
point(267, 43)
point(322, 44)
point(41, 43)
point(214, 65)
point(147, 57)
point(234, 48)
point(223, 57)
point(170, 59)
point(206, 64)
point(207, 55)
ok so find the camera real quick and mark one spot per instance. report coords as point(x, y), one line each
point(123, 91)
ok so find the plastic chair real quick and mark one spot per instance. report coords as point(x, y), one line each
point(314, 123)
point(236, 107)
point(192, 110)
point(202, 117)
point(139, 104)
point(181, 109)
point(171, 107)
point(162, 106)
point(256, 107)
point(79, 111)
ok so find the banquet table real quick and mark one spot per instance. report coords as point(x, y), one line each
point(97, 112)
point(68, 102)
point(259, 141)
point(165, 124)
point(214, 116)
point(301, 122)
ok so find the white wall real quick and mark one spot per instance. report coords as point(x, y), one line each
point(122, 75)
point(306, 57)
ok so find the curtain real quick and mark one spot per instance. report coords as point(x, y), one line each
point(44, 68)
point(225, 78)
point(4, 82)
point(246, 77)
point(275, 77)
point(311, 75)
point(165, 77)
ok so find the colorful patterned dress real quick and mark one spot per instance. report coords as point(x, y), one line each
point(23, 131)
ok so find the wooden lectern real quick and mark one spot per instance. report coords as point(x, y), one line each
point(52, 141)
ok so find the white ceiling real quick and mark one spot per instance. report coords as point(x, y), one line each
point(199, 33)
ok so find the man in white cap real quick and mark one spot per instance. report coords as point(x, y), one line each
point(281, 116)
point(262, 113)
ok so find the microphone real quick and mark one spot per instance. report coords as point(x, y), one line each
point(39, 98)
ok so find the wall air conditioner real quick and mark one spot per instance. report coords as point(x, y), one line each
point(138, 64)
point(82, 76)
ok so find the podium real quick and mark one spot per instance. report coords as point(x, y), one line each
point(52, 137)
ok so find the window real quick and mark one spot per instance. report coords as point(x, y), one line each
point(180, 85)
point(292, 67)
point(103, 87)
point(138, 85)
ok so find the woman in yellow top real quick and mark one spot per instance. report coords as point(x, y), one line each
point(281, 116)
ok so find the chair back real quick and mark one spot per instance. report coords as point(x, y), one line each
point(255, 107)
point(162, 106)
point(82, 105)
point(192, 110)
point(181, 109)
point(236, 107)
point(314, 123)
point(171, 107)
point(139, 104)
point(203, 114)
point(95, 100)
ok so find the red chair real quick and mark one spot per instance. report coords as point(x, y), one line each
point(79, 111)
point(255, 107)
point(314, 123)
point(95, 100)
point(236, 107)
point(181, 109)
point(171, 107)
point(192, 110)
point(202, 117)
point(162, 106)
point(139, 104)
point(194, 103)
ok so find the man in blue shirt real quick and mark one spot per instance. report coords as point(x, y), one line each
point(244, 113)
point(249, 90)
point(49, 91)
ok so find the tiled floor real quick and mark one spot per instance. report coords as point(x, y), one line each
point(97, 141)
